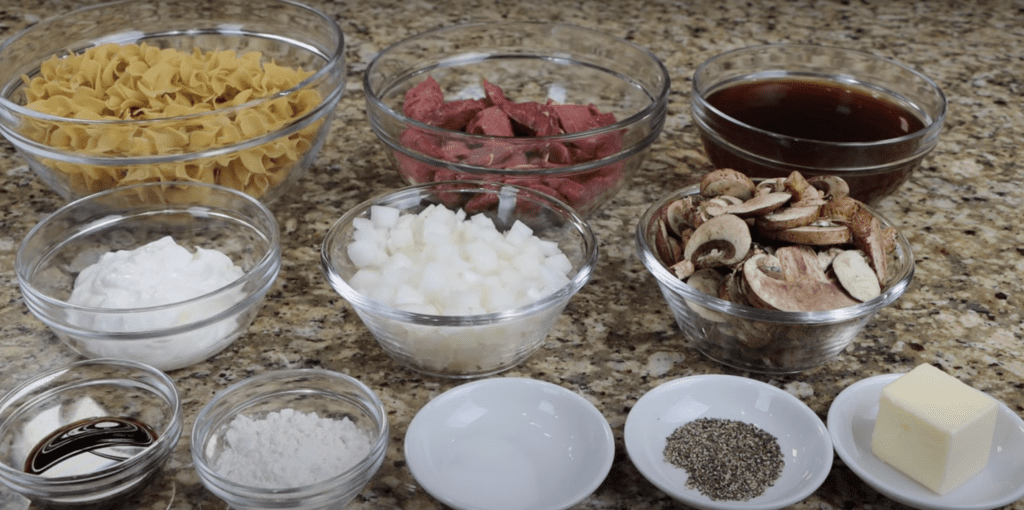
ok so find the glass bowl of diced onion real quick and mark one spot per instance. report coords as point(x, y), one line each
point(459, 278)
point(238, 93)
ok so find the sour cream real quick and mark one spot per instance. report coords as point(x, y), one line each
point(150, 280)
point(159, 273)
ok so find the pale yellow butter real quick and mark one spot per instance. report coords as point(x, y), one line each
point(934, 428)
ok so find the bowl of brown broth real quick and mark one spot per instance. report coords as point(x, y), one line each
point(769, 110)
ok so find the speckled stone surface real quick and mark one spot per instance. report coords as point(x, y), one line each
point(616, 340)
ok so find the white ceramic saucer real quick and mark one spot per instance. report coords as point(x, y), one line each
point(851, 420)
point(801, 435)
point(509, 443)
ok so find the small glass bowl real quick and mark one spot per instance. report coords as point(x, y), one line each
point(760, 340)
point(873, 170)
point(530, 61)
point(464, 346)
point(286, 33)
point(79, 391)
point(194, 215)
point(330, 395)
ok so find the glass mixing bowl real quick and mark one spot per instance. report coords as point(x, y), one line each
point(260, 146)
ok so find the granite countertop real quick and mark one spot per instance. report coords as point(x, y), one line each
point(961, 211)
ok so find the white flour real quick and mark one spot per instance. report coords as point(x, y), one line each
point(289, 449)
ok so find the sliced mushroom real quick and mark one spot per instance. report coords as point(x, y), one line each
point(726, 181)
point(720, 241)
point(706, 281)
point(719, 205)
point(798, 261)
point(788, 217)
point(682, 269)
point(760, 205)
point(732, 290)
point(840, 209)
point(751, 296)
point(856, 275)
point(666, 247)
point(800, 188)
point(681, 214)
point(889, 236)
point(770, 186)
point(869, 237)
point(815, 235)
point(810, 201)
point(803, 227)
point(832, 187)
point(799, 292)
point(826, 257)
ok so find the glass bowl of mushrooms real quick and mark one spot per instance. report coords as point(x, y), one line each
point(774, 275)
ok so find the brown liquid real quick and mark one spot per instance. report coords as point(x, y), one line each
point(89, 445)
point(815, 111)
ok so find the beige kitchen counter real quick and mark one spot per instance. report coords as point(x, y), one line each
point(963, 213)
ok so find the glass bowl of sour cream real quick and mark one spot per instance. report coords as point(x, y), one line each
point(166, 274)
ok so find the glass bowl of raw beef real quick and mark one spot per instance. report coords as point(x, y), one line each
point(166, 274)
point(459, 278)
point(564, 110)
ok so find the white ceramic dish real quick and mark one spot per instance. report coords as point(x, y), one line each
point(851, 420)
point(802, 436)
point(509, 443)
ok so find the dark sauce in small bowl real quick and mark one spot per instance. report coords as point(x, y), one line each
point(815, 110)
point(818, 127)
point(87, 446)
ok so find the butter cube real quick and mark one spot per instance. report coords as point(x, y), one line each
point(934, 428)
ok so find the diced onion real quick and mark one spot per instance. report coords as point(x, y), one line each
point(442, 262)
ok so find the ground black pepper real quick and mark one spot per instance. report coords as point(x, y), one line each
point(726, 459)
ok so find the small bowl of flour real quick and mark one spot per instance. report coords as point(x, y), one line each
point(306, 438)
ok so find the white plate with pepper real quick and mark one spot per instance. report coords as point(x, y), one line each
point(851, 420)
point(727, 442)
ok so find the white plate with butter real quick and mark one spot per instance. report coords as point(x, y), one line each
point(851, 421)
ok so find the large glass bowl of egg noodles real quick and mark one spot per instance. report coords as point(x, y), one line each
point(237, 93)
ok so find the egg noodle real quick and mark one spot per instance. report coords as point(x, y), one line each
point(144, 83)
